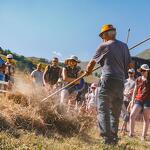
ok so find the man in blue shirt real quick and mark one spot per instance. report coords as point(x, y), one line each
point(2, 70)
point(114, 58)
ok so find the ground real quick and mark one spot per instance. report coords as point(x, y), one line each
point(90, 141)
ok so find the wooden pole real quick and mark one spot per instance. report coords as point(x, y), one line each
point(85, 74)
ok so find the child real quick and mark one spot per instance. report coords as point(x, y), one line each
point(91, 103)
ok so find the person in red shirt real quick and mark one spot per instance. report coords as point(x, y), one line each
point(141, 100)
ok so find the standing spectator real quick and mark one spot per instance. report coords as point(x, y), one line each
point(141, 99)
point(70, 72)
point(52, 73)
point(3, 84)
point(128, 87)
point(9, 71)
point(114, 58)
point(128, 91)
point(37, 75)
point(10, 68)
point(92, 99)
point(2, 70)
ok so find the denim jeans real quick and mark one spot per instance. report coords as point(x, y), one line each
point(109, 106)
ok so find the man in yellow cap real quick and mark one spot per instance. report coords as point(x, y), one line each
point(114, 58)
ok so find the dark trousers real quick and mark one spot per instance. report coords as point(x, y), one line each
point(109, 106)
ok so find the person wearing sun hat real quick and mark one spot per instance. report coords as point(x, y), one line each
point(72, 57)
point(144, 67)
point(70, 72)
point(141, 100)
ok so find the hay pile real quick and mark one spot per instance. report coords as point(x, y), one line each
point(19, 111)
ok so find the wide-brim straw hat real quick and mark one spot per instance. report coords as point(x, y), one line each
point(75, 58)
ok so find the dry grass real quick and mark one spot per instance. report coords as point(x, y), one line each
point(90, 141)
point(22, 109)
point(26, 123)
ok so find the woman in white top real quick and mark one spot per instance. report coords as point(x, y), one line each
point(92, 99)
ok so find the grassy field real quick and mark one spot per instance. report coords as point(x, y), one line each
point(27, 124)
point(90, 140)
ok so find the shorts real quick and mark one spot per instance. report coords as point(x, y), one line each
point(143, 104)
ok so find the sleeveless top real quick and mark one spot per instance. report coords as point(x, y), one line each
point(71, 73)
point(52, 74)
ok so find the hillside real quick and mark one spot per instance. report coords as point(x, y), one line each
point(144, 54)
point(26, 64)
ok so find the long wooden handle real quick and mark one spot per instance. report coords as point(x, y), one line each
point(140, 43)
point(85, 74)
point(69, 84)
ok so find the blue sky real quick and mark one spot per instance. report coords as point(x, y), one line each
point(47, 28)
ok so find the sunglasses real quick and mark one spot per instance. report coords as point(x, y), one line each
point(143, 70)
point(93, 87)
point(130, 72)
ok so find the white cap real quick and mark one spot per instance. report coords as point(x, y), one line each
point(9, 56)
point(131, 70)
point(145, 67)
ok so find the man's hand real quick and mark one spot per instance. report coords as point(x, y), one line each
point(90, 67)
